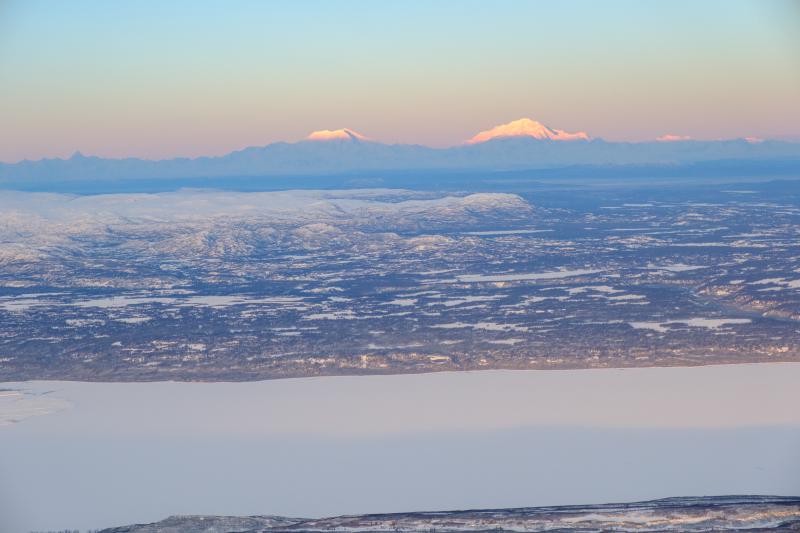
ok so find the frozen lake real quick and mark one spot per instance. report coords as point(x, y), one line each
point(89, 455)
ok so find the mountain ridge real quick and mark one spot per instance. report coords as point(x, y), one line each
point(518, 145)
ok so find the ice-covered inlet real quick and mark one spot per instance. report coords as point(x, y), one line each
point(17, 404)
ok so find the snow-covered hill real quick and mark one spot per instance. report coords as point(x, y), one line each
point(722, 513)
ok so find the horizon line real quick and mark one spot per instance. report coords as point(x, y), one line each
point(353, 136)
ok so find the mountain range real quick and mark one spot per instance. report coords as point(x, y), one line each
point(519, 145)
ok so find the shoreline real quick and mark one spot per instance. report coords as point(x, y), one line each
point(355, 372)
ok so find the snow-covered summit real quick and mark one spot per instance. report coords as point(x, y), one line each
point(526, 127)
point(670, 137)
point(344, 134)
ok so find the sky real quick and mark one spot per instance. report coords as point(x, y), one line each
point(159, 79)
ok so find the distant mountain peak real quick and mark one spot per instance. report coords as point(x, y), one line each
point(671, 138)
point(344, 134)
point(526, 127)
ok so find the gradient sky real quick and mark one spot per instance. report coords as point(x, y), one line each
point(185, 78)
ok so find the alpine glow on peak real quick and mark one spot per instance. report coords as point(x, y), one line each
point(343, 134)
point(526, 127)
point(670, 138)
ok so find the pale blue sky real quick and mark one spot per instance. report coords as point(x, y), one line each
point(161, 79)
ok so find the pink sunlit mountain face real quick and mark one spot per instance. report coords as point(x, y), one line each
point(343, 134)
point(526, 127)
point(670, 138)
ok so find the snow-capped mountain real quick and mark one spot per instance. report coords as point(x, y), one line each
point(526, 127)
point(344, 134)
